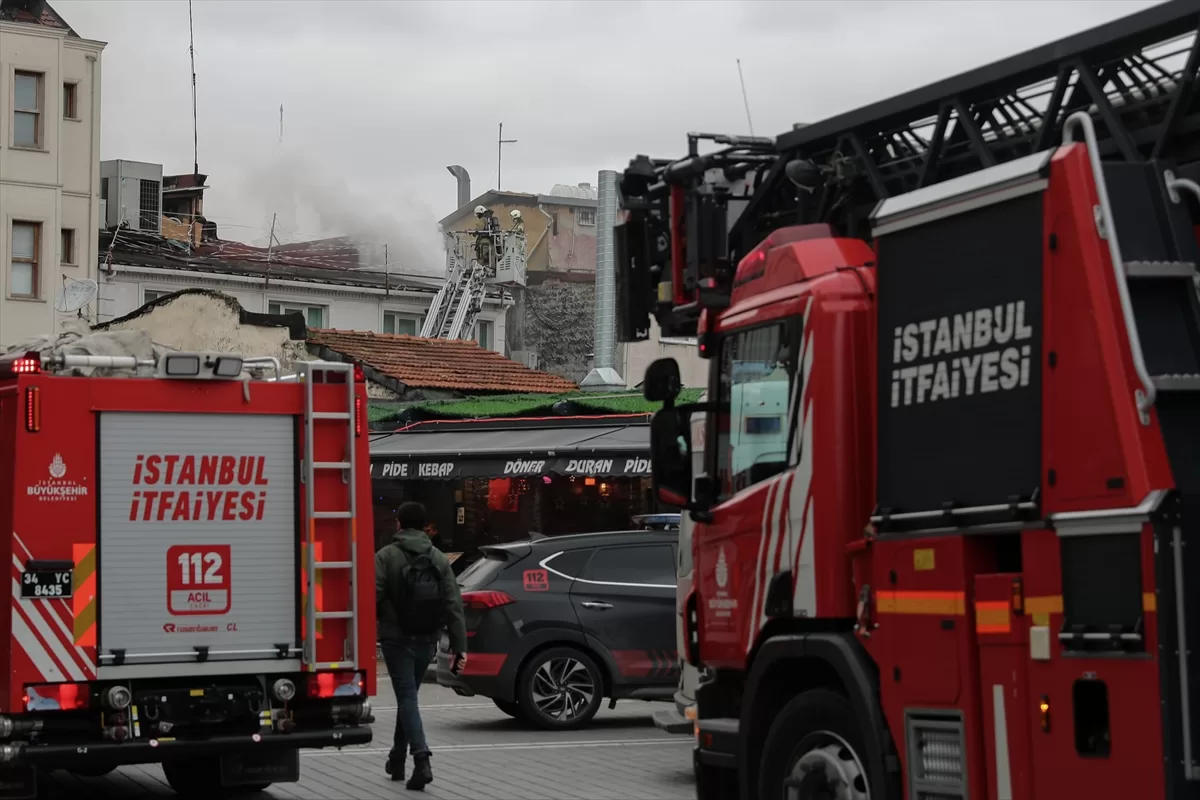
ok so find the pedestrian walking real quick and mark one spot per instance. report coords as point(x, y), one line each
point(416, 596)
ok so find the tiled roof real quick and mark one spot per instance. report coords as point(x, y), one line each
point(34, 12)
point(439, 363)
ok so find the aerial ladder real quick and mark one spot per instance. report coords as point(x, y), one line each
point(475, 259)
point(1135, 76)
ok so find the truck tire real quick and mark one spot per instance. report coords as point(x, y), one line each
point(714, 783)
point(560, 689)
point(510, 707)
point(815, 746)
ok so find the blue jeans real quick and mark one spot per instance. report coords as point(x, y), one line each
point(407, 659)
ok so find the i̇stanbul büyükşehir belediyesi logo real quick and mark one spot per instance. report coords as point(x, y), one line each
point(57, 487)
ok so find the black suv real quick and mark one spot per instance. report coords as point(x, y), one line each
point(556, 624)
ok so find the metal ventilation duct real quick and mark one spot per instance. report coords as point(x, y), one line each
point(464, 184)
point(603, 373)
point(606, 270)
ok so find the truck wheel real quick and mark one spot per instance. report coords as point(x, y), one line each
point(815, 749)
point(510, 707)
point(560, 689)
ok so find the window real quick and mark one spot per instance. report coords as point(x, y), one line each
point(407, 324)
point(483, 333)
point(70, 100)
point(27, 110)
point(314, 316)
point(68, 247)
point(26, 259)
point(586, 216)
point(104, 188)
point(757, 370)
point(149, 195)
point(652, 564)
point(149, 295)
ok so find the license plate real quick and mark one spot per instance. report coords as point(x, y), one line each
point(47, 583)
point(250, 769)
point(18, 783)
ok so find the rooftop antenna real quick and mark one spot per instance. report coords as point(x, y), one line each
point(500, 142)
point(75, 294)
point(281, 123)
point(745, 98)
point(195, 133)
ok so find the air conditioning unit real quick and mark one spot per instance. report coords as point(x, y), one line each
point(132, 192)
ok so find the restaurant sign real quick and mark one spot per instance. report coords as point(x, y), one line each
point(592, 465)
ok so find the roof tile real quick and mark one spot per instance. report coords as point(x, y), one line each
point(439, 363)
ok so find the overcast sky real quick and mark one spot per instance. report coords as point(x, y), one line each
point(379, 97)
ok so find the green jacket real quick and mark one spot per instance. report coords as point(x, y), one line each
point(388, 562)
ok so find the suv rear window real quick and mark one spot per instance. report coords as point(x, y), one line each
point(483, 571)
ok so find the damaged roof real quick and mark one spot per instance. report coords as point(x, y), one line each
point(139, 248)
point(34, 12)
point(439, 363)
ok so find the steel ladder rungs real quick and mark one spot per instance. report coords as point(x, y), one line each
point(335, 615)
point(329, 515)
point(338, 415)
point(333, 564)
point(1159, 269)
point(1178, 383)
point(331, 465)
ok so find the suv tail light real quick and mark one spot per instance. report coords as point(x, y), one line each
point(344, 683)
point(57, 697)
point(482, 601)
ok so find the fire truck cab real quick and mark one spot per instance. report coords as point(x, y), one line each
point(188, 584)
point(959, 567)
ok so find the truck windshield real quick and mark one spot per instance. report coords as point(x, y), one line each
point(757, 372)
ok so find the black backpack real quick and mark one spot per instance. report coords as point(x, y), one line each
point(420, 602)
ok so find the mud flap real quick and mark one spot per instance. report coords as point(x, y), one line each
point(19, 783)
point(250, 769)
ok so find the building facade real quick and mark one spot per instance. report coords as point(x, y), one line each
point(50, 81)
point(144, 267)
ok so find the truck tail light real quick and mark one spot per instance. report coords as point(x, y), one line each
point(341, 683)
point(358, 416)
point(27, 364)
point(33, 409)
point(57, 697)
point(482, 601)
point(359, 375)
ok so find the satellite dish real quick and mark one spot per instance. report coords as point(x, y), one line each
point(76, 294)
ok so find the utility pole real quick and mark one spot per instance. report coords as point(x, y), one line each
point(500, 142)
point(387, 284)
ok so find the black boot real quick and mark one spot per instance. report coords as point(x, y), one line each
point(422, 774)
point(395, 768)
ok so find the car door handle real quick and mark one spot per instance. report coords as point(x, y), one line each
point(595, 604)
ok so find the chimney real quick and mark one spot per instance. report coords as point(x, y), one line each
point(464, 184)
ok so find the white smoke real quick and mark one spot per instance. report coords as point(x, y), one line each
point(308, 204)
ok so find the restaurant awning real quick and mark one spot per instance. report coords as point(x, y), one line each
point(522, 452)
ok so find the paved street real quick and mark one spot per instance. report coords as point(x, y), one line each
point(479, 754)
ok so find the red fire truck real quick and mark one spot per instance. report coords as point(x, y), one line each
point(189, 582)
point(956, 567)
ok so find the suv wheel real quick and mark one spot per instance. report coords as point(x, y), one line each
point(560, 689)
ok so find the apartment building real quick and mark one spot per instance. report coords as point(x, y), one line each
point(49, 164)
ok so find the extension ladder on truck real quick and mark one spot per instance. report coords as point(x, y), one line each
point(311, 373)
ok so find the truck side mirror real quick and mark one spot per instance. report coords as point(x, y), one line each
point(671, 455)
point(662, 383)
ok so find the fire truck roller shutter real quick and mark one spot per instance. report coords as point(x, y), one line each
point(197, 539)
point(960, 343)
